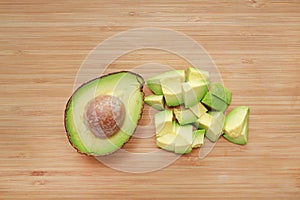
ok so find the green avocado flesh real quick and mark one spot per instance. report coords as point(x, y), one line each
point(127, 87)
point(194, 74)
point(221, 92)
point(214, 102)
point(185, 116)
point(154, 83)
point(213, 123)
point(155, 101)
point(236, 125)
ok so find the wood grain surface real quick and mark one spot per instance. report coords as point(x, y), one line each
point(255, 44)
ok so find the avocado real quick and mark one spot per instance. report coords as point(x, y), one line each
point(195, 74)
point(184, 139)
point(198, 138)
point(198, 109)
point(163, 122)
point(213, 124)
point(103, 113)
point(236, 125)
point(155, 101)
point(222, 92)
point(166, 142)
point(172, 90)
point(155, 85)
point(193, 92)
point(215, 103)
point(184, 116)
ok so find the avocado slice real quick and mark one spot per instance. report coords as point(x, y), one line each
point(198, 109)
point(198, 138)
point(154, 82)
point(163, 122)
point(184, 139)
point(155, 101)
point(221, 92)
point(193, 92)
point(172, 90)
point(195, 74)
point(184, 116)
point(236, 125)
point(117, 100)
point(215, 103)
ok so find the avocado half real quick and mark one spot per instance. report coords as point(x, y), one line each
point(125, 86)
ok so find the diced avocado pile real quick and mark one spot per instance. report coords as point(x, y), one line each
point(189, 110)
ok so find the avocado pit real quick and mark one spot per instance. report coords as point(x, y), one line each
point(104, 115)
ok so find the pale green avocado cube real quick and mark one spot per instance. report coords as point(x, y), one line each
point(193, 92)
point(198, 109)
point(204, 121)
point(166, 142)
point(198, 138)
point(172, 91)
point(185, 116)
point(236, 125)
point(214, 102)
point(155, 101)
point(154, 82)
point(213, 124)
point(222, 92)
point(163, 122)
point(215, 130)
point(195, 74)
point(184, 139)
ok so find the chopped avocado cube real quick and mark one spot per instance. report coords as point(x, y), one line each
point(154, 82)
point(172, 91)
point(185, 116)
point(214, 102)
point(163, 122)
point(222, 92)
point(236, 125)
point(213, 124)
point(204, 121)
point(166, 142)
point(193, 92)
point(216, 128)
point(198, 138)
point(184, 139)
point(155, 101)
point(195, 74)
point(198, 109)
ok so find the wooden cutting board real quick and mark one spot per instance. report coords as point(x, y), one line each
point(255, 44)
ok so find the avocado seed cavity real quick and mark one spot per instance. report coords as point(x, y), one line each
point(104, 115)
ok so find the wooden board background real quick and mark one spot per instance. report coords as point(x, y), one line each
point(255, 44)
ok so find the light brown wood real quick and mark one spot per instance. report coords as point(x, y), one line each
point(255, 44)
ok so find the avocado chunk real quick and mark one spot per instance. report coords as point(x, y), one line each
point(236, 125)
point(155, 85)
point(195, 74)
point(214, 102)
point(221, 92)
point(198, 109)
point(213, 124)
point(184, 139)
point(172, 90)
point(193, 92)
point(163, 122)
point(155, 101)
point(185, 116)
point(103, 113)
point(166, 142)
point(198, 138)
